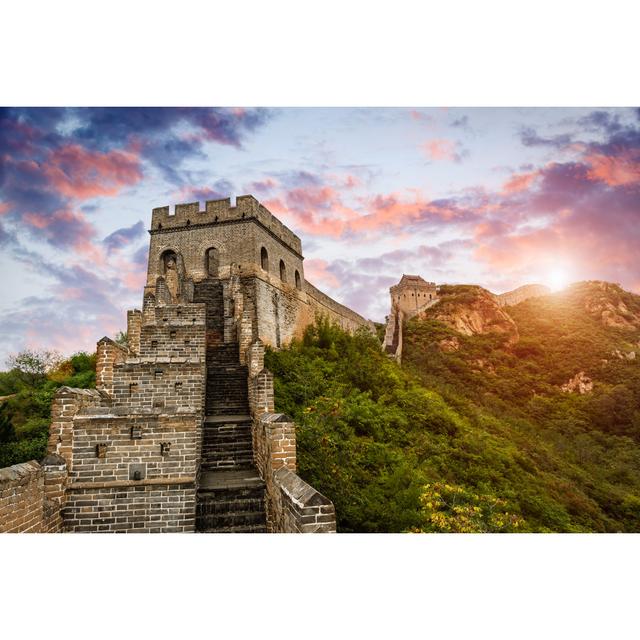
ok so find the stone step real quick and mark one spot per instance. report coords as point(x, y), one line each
point(231, 480)
point(231, 502)
point(228, 394)
point(231, 519)
point(240, 402)
point(212, 436)
point(224, 409)
point(240, 460)
point(229, 465)
point(240, 529)
point(226, 441)
point(224, 429)
point(228, 419)
point(213, 456)
point(239, 389)
point(228, 447)
point(216, 507)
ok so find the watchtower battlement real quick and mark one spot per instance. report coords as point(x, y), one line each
point(221, 212)
point(412, 292)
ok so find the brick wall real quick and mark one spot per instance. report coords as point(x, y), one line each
point(134, 440)
point(109, 445)
point(21, 498)
point(144, 508)
point(293, 506)
point(393, 333)
point(109, 353)
point(32, 496)
point(322, 304)
point(298, 508)
point(134, 326)
point(68, 402)
point(159, 384)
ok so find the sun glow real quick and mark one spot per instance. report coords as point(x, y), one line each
point(557, 278)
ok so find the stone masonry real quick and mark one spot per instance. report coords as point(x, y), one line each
point(180, 434)
point(410, 296)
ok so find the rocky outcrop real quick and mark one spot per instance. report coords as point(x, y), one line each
point(631, 355)
point(521, 294)
point(602, 300)
point(472, 311)
point(580, 383)
point(449, 345)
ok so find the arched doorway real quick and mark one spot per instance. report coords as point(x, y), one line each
point(212, 262)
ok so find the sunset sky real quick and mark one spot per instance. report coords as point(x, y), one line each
point(497, 197)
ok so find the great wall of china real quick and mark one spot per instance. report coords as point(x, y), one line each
point(180, 433)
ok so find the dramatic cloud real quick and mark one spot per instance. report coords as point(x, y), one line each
point(56, 165)
point(530, 138)
point(75, 172)
point(370, 201)
point(125, 236)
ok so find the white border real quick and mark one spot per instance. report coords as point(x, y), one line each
point(332, 53)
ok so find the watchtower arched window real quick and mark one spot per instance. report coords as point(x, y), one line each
point(168, 261)
point(264, 259)
point(283, 271)
point(212, 262)
point(298, 281)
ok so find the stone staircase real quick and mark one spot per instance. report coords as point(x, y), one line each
point(226, 381)
point(230, 495)
point(227, 443)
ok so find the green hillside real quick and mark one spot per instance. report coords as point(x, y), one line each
point(473, 432)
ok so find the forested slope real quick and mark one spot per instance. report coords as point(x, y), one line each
point(474, 431)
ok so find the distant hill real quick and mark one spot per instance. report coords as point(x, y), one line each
point(502, 418)
point(522, 293)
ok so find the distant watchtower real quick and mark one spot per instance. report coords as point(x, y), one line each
point(410, 296)
point(411, 293)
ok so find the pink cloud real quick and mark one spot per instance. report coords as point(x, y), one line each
point(519, 182)
point(317, 272)
point(618, 170)
point(134, 280)
point(36, 220)
point(79, 173)
point(322, 211)
point(66, 227)
point(440, 149)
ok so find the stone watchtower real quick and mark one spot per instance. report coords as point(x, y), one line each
point(411, 293)
point(180, 433)
point(410, 296)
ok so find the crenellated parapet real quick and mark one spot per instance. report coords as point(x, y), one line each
point(221, 212)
